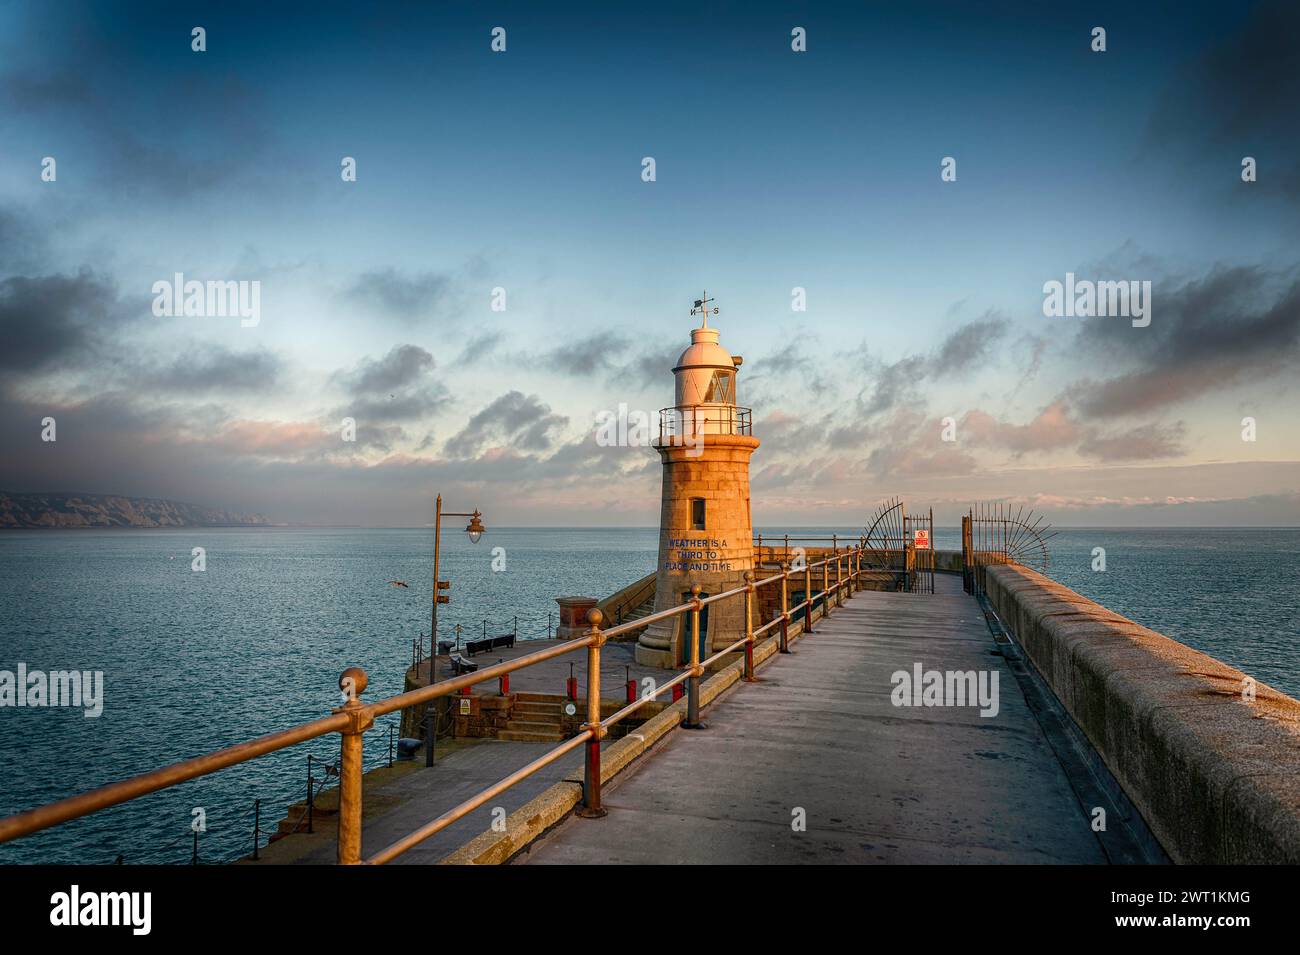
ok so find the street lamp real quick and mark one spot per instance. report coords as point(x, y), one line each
point(475, 530)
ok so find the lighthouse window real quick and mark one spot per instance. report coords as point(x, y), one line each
point(721, 388)
point(697, 513)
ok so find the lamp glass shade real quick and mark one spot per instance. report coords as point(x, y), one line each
point(475, 528)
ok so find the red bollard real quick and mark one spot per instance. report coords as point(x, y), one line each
point(464, 691)
point(571, 687)
point(503, 684)
point(678, 692)
point(631, 691)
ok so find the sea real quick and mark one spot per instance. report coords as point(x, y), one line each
point(197, 659)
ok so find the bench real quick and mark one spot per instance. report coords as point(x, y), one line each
point(460, 665)
point(489, 643)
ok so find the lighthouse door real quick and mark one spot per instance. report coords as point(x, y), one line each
point(686, 631)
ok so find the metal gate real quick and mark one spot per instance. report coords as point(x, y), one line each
point(900, 548)
point(1001, 533)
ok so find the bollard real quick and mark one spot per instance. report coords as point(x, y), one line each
point(693, 681)
point(591, 808)
point(678, 692)
point(749, 627)
point(503, 682)
point(630, 684)
point(353, 681)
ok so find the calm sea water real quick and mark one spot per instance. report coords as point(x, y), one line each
point(195, 661)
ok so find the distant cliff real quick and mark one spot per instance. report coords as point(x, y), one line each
point(111, 510)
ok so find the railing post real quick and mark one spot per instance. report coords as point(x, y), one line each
point(826, 587)
point(807, 595)
point(839, 579)
point(591, 807)
point(353, 682)
point(749, 626)
point(257, 826)
point(785, 607)
point(693, 681)
point(310, 798)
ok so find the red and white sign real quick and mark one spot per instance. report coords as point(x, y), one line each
point(921, 540)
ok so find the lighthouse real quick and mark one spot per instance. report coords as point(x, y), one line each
point(705, 532)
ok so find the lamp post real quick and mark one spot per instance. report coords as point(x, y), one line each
point(475, 530)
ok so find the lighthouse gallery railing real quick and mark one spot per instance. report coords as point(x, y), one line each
point(352, 719)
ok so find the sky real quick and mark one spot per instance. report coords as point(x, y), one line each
point(774, 170)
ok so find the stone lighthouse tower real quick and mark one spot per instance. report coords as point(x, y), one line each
point(705, 533)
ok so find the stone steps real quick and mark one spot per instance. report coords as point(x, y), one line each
point(555, 698)
point(547, 710)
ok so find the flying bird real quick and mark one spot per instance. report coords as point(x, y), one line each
point(397, 583)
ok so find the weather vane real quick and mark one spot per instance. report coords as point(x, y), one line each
point(702, 308)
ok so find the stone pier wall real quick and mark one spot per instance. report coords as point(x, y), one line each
point(1216, 776)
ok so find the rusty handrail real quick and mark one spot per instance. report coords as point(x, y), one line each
point(352, 719)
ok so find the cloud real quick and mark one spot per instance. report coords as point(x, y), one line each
point(969, 346)
point(54, 321)
point(401, 295)
point(1146, 442)
point(402, 366)
point(579, 356)
point(1051, 429)
point(397, 387)
point(479, 348)
point(213, 368)
point(523, 422)
point(1235, 324)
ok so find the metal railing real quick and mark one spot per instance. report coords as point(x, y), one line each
point(691, 420)
point(353, 718)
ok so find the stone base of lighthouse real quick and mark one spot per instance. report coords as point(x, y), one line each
point(711, 477)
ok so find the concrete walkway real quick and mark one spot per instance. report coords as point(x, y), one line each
point(404, 804)
point(876, 782)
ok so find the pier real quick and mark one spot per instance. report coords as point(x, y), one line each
point(875, 782)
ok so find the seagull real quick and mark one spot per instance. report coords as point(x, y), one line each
point(397, 583)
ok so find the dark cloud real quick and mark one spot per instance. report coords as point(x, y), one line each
point(969, 346)
point(1235, 324)
point(213, 368)
point(53, 321)
point(521, 421)
point(397, 387)
point(597, 352)
point(401, 295)
point(402, 366)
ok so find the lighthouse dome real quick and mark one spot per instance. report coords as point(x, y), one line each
point(704, 351)
point(706, 372)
